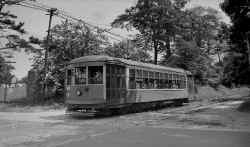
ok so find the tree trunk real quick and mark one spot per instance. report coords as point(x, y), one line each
point(219, 57)
point(218, 50)
point(168, 49)
point(155, 52)
point(248, 48)
point(5, 93)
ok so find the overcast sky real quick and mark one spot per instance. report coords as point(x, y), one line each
point(97, 12)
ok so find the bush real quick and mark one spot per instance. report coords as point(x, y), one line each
point(214, 83)
point(245, 106)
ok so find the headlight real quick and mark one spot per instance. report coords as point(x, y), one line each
point(78, 92)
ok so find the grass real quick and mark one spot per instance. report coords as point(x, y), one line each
point(25, 104)
point(222, 93)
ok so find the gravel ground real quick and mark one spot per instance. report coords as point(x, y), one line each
point(36, 126)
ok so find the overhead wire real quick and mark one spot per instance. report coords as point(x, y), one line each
point(93, 26)
point(65, 15)
point(37, 3)
point(33, 3)
point(32, 7)
point(60, 10)
point(64, 12)
point(67, 18)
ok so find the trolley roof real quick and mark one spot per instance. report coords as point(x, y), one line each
point(102, 58)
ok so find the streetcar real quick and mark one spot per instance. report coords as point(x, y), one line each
point(96, 84)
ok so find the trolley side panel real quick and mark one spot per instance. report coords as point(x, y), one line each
point(89, 94)
point(135, 96)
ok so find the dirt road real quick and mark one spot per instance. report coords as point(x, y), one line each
point(49, 128)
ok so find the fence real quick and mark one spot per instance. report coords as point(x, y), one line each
point(12, 92)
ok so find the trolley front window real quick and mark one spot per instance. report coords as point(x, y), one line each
point(80, 75)
point(69, 76)
point(95, 75)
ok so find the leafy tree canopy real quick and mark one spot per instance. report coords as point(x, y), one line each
point(128, 50)
point(5, 71)
point(12, 31)
point(237, 60)
point(155, 19)
point(10, 38)
point(68, 41)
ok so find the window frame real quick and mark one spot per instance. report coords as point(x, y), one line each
point(78, 76)
point(88, 75)
point(69, 78)
point(144, 79)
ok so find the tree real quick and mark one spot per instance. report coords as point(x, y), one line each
point(7, 21)
point(155, 19)
point(239, 13)
point(201, 25)
point(237, 60)
point(127, 50)
point(199, 39)
point(11, 31)
point(10, 38)
point(188, 56)
point(5, 74)
point(221, 43)
point(68, 41)
point(72, 40)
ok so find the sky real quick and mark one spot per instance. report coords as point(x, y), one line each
point(97, 12)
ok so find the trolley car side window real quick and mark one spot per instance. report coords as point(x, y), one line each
point(141, 79)
point(95, 75)
point(132, 84)
point(80, 75)
point(69, 76)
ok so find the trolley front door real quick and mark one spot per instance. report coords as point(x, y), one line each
point(115, 84)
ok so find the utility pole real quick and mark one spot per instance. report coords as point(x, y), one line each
point(248, 47)
point(51, 13)
point(5, 92)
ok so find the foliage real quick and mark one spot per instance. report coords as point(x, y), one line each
point(155, 19)
point(11, 38)
point(200, 39)
point(5, 71)
point(68, 41)
point(11, 31)
point(190, 57)
point(197, 34)
point(201, 26)
point(7, 20)
point(221, 43)
point(237, 60)
point(236, 71)
point(245, 106)
point(128, 50)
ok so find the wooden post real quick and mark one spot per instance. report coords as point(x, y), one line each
point(51, 13)
point(5, 93)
